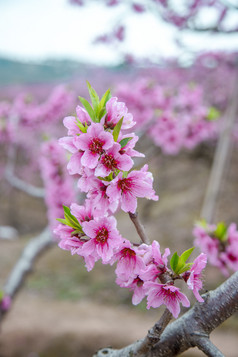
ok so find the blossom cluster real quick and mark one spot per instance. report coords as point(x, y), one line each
point(173, 119)
point(5, 301)
point(102, 146)
point(59, 188)
point(219, 243)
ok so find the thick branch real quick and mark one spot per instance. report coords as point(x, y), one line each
point(25, 263)
point(188, 330)
point(139, 227)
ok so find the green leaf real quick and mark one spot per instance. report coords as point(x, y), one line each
point(88, 108)
point(174, 261)
point(101, 109)
point(76, 231)
point(186, 254)
point(180, 261)
point(221, 231)
point(213, 114)
point(70, 220)
point(107, 178)
point(81, 126)
point(116, 130)
point(185, 268)
point(124, 141)
point(1, 295)
point(105, 98)
point(101, 114)
point(61, 220)
point(94, 97)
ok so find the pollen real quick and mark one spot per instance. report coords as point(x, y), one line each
point(102, 235)
point(109, 161)
point(96, 145)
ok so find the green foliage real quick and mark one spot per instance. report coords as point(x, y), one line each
point(178, 263)
point(124, 141)
point(94, 97)
point(116, 130)
point(71, 221)
point(213, 114)
point(98, 108)
point(221, 231)
point(88, 108)
point(82, 127)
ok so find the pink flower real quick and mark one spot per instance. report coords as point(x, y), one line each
point(168, 295)
point(99, 199)
point(112, 160)
point(115, 111)
point(70, 242)
point(194, 281)
point(93, 143)
point(129, 147)
point(83, 116)
point(156, 264)
point(129, 262)
point(136, 285)
point(74, 165)
point(5, 303)
point(127, 189)
point(104, 238)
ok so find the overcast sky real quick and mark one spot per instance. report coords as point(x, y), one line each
point(40, 29)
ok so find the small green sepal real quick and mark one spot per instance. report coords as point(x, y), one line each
point(125, 141)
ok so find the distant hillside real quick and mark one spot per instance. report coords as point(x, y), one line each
point(16, 72)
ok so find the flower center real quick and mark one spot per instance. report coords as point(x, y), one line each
point(124, 184)
point(109, 161)
point(96, 145)
point(127, 253)
point(102, 235)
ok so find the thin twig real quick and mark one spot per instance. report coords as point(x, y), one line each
point(139, 227)
point(24, 186)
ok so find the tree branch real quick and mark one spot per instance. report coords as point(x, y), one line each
point(25, 263)
point(11, 177)
point(188, 330)
point(207, 347)
point(139, 227)
point(24, 186)
point(220, 161)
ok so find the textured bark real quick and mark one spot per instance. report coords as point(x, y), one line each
point(193, 328)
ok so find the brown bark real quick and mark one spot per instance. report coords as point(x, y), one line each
point(193, 328)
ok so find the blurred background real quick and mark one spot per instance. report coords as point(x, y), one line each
point(174, 64)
